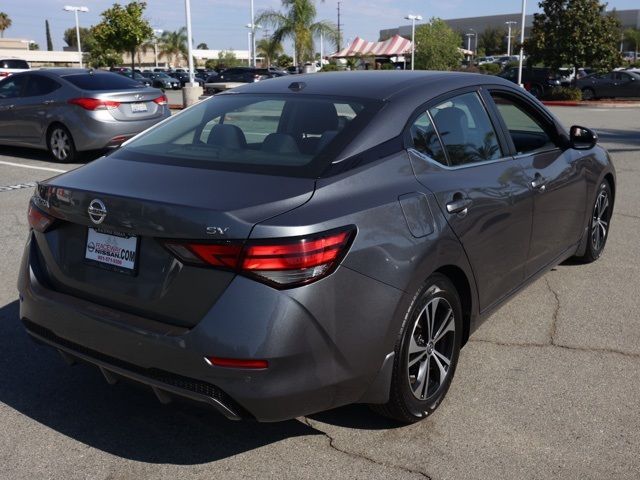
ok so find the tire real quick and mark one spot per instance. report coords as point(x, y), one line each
point(421, 376)
point(60, 144)
point(536, 91)
point(599, 224)
point(588, 94)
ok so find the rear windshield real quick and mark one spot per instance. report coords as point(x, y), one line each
point(102, 81)
point(21, 64)
point(291, 134)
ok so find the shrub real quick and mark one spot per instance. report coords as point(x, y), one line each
point(490, 68)
point(564, 93)
point(387, 66)
point(331, 67)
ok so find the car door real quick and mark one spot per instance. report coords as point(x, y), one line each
point(11, 90)
point(33, 108)
point(626, 85)
point(555, 175)
point(483, 193)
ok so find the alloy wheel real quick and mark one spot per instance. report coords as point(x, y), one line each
point(431, 348)
point(600, 221)
point(60, 144)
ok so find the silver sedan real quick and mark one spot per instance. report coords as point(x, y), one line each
point(67, 111)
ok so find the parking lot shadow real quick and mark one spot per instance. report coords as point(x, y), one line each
point(43, 156)
point(121, 420)
point(616, 138)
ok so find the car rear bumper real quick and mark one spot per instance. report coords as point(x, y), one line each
point(91, 133)
point(313, 365)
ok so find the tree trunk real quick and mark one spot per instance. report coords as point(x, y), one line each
point(133, 63)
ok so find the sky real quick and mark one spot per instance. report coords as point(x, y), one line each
point(221, 23)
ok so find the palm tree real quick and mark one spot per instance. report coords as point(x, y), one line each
point(5, 22)
point(298, 23)
point(174, 44)
point(269, 49)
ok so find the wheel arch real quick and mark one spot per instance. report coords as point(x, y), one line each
point(458, 277)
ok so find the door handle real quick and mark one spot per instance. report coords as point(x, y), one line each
point(459, 204)
point(539, 183)
point(48, 102)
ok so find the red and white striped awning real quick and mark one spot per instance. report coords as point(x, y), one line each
point(395, 45)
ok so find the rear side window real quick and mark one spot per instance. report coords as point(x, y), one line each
point(39, 85)
point(12, 86)
point(425, 139)
point(289, 134)
point(466, 130)
point(12, 63)
point(102, 81)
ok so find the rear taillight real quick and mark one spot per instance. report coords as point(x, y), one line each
point(282, 263)
point(4, 74)
point(38, 220)
point(237, 363)
point(94, 103)
point(161, 100)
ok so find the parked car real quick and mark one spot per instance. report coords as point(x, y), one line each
point(506, 60)
point(613, 84)
point(70, 110)
point(183, 78)
point(485, 60)
point(162, 80)
point(138, 77)
point(9, 66)
point(120, 70)
point(537, 81)
point(244, 75)
point(290, 248)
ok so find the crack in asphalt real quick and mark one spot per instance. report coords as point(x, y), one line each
point(332, 445)
point(554, 317)
point(552, 335)
point(628, 215)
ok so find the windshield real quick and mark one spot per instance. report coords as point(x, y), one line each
point(286, 134)
point(162, 75)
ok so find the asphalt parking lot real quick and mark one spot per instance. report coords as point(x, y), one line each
point(549, 387)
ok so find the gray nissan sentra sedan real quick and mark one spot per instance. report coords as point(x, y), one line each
point(300, 244)
point(69, 110)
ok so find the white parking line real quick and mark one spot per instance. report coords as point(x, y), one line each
point(48, 169)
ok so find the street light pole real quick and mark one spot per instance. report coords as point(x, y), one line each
point(413, 19)
point(75, 10)
point(520, 61)
point(187, 8)
point(509, 37)
point(253, 37)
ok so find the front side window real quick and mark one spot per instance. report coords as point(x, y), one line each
point(263, 133)
point(466, 130)
point(529, 134)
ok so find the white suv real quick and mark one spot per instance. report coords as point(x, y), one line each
point(9, 66)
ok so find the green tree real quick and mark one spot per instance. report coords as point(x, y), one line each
point(5, 22)
point(86, 38)
point(437, 46)
point(269, 49)
point(577, 33)
point(48, 35)
point(99, 57)
point(202, 46)
point(174, 45)
point(493, 41)
point(632, 37)
point(284, 61)
point(34, 46)
point(298, 24)
point(123, 29)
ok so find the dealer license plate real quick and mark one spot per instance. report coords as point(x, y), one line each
point(138, 107)
point(112, 250)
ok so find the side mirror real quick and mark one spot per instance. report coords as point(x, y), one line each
point(582, 138)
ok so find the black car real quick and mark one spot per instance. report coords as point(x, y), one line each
point(162, 80)
point(183, 78)
point(244, 75)
point(138, 77)
point(537, 81)
point(613, 84)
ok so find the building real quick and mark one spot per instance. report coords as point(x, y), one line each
point(628, 19)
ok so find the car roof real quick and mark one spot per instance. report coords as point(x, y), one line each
point(376, 85)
